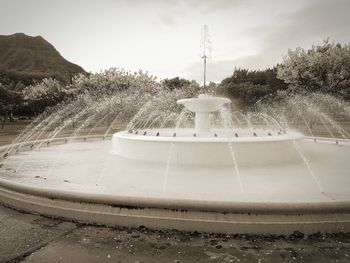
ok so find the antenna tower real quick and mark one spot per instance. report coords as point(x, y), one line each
point(206, 44)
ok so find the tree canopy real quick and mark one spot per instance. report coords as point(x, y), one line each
point(324, 68)
point(251, 85)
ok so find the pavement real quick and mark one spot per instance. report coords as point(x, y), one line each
point(37, 239)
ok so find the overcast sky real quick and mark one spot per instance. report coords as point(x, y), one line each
point(163, 37)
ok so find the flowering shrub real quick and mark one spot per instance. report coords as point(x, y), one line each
point(324, 68)
point(109, 96)
point(112, 81)
point(48, 92)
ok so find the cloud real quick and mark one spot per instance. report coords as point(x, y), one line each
point(307, 26)
point(322, 17)
point(163, 35)
point(171, 11)
point(168, 20)
point(268, 28)
point(206, 7)
point(217, 70)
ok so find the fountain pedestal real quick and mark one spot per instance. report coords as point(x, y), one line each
point(203, 106)
point(202, 121)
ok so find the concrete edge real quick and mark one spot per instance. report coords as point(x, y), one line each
point(182, 204)
point(211, 222)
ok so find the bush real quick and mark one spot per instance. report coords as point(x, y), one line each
point(251, 86)
point(324, 68)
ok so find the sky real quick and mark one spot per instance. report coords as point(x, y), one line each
point(163, 37)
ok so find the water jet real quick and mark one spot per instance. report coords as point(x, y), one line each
point(247, 180)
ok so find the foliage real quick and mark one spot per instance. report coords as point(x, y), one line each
point(251, 86)
point(177, 83)
point(324, 68)
point(113, 80)
point(126, 93)
point(111, 97)
point(16, 81)
point(48, 92)
point(9, 100)
point(211, 88)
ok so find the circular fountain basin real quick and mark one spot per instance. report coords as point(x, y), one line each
point(83, 181)
point(215, 148)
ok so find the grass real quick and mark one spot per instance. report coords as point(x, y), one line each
point(11, 130)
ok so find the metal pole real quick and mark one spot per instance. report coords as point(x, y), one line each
point(205, 69)
point(205, 39)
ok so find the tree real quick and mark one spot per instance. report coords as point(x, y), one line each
point(211, 88)
point(48, 92)
point(112, 81)
point(324, 68)
point(9, 102)
point(176, 83)
point(251, 86)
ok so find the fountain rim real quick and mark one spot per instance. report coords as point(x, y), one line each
point(180, 204)
point(177, 203)
point(290, 136)
point(182, 214)
point(225, 206)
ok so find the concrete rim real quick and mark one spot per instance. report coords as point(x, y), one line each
point(181, 214)
point(182, 204)
point(155, 218)
point(177, 204)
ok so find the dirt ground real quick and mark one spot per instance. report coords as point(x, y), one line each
point(33, 238)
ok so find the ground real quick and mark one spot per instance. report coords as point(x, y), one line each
point(33, 238)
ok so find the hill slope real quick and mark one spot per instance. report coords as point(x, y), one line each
point(24, 58)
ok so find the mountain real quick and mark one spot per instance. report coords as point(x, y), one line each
point(24, 58)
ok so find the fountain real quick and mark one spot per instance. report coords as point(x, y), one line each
point(253, 147)
point(201, 178)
